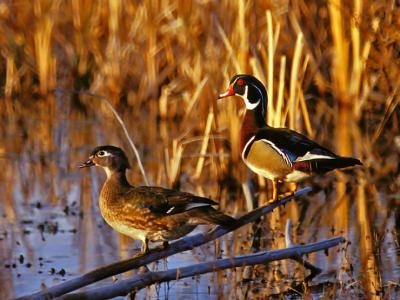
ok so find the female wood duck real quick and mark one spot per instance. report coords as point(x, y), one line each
point(278, 154)
point(148, 213)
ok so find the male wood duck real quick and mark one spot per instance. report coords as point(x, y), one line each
point(148, 213)
point(279, 154)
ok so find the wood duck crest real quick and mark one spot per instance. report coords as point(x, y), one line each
point(278, 154)
point(148, 213)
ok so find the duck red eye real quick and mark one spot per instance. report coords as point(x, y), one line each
point(240, 82)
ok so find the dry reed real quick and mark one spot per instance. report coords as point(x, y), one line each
point(331, 69)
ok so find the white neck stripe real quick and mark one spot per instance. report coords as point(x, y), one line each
point(249, 105)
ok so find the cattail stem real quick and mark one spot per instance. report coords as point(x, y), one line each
point(119, 120)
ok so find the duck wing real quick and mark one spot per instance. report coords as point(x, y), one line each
point(304, 154)
point(165, 201)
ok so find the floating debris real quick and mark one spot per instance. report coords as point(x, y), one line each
point(49, 227)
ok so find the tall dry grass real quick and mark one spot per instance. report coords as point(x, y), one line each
point(331, 69)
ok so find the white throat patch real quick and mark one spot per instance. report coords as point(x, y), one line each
point(249, 105)
point(108, 171)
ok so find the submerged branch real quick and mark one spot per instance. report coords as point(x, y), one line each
point(119, 120)
point(298, 257)
point(155, 254)
point(138, 282)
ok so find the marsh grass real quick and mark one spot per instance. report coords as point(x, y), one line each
point(331, 70)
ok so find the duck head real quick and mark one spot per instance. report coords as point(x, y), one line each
point(110, 158)
point(250, 89)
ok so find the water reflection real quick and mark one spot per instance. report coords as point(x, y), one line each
point(52, 230)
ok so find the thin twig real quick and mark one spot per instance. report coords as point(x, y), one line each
point(298, 256)
point(227, 44)
point(155, 254)
point(204, 146)
point(120, 121)
point(288, 234)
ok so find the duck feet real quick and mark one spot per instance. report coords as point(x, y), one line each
point(145, 246)
point(276, 197)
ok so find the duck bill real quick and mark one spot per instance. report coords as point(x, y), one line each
point(229, 92)
point(87, 164)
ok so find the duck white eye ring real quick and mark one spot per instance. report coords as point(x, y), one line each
point(102, 153)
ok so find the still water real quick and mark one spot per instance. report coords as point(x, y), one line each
point(51, 229)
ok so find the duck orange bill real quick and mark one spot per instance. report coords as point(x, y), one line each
point(229, 92)
point(87, 163)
